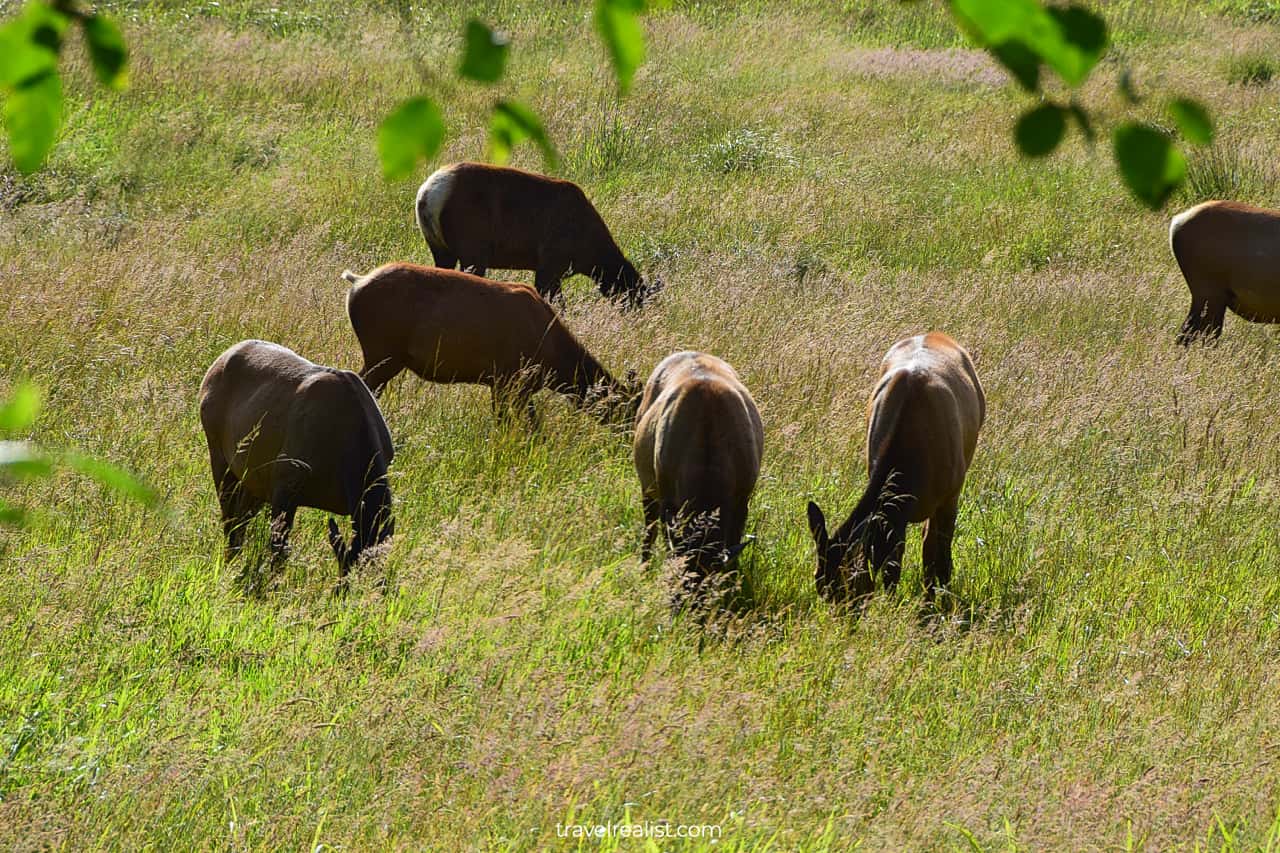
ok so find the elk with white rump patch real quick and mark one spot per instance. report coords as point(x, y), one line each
point(1229, 253)
point(923, 422)
point(288, 433)
point(490, 217)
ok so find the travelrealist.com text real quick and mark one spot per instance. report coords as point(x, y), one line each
point(638, 830)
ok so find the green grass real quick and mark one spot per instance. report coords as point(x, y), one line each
point(1251, 69)
point(813, 183)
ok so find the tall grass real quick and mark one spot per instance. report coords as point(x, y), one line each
point(1228, 172)
point(1251, 69)
point(1105, 680)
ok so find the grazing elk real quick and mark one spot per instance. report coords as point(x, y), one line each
point(288, 433)
point(449, 326)
point(923, 422)
point(490, 217)
point(1229, 253)
point(697, 450)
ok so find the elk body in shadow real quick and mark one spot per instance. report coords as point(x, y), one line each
point(486, 217)
point(1229, 254)
point(447, 326)
point(286, 433)
point(923, 422)
point(697, 450)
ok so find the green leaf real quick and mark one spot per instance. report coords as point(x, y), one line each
point(47, 25)
point(32, 117)
point(618, 22)
point(1082, 119)
point(1040, 130)
point(1086, 33)
point(22, 459)
point(1070, 40)
point(513, 123)
point(19, 412)
point(1084, 40)
point(10, 514)
point(1150, 164)
point(1020, 61)
point(1193, 120)
point(415, 129)
point(114, 478)
point(106, 50)
point(23, 57)
point(484, 56)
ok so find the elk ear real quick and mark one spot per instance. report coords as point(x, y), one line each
point(336, 542)
point(818, 525)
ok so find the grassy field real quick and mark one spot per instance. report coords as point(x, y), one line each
point(813, 181)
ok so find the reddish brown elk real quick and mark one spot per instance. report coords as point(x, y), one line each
point(1229, 254)
point(697, 450)
point(923, 422)
point(448, 326)
point(489, 217)
point(286, 433)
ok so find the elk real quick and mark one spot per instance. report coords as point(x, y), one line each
point(923, 422)
point(490, 217)
point(448, 326)
point(287, 433)
point(1229, 254)
point(697, 450)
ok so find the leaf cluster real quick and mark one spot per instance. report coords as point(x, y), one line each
point(30, 46)
point(1028, 38)
point(415, 130)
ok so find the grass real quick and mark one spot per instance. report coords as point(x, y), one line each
point(1251, 69)
point(1231, 172)
point(1108, 681)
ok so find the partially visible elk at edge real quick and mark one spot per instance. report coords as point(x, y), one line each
point(1229, 254)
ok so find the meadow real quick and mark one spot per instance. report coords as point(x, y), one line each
point(813, 181)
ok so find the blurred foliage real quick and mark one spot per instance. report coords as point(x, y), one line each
point(24, 460)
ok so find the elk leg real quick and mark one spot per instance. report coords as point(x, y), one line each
point(886, 555)
point(377, 374)
point(443, 259)
point(936, 549)
point(652, 521)
point(547, 280)
point(237, 512)
point(281, 524)
point(1207, 315)
point(238, 508)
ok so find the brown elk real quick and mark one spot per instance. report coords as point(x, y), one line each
point(490, 217)
point(1229, 254)
point(697, 451)
point(287, 433)
point(923, 422)
point(448, 326)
